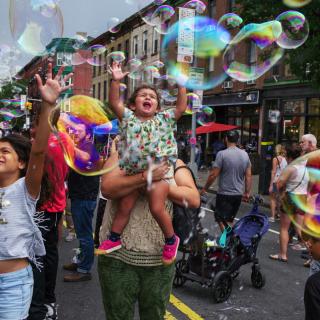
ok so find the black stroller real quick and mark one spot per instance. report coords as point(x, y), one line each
point(215, 263)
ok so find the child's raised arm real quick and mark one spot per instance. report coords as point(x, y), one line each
point(114, 92)
point(50, 92)
point(181, 102)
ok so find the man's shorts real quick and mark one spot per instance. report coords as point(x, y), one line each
point(227, 207)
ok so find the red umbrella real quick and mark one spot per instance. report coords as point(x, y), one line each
point(213, 127)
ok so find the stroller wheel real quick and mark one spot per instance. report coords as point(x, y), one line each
point(181, 267)
point(258, 279)
point(222, 286)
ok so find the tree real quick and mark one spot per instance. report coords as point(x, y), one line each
point(304, 61)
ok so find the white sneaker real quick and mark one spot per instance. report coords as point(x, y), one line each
point(271, 219)
point(70, 237)
point(52, 313)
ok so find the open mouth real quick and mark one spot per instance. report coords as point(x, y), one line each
point(147, 105)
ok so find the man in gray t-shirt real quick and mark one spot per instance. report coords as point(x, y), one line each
point(234, 170)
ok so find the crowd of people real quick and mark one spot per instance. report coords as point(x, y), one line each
point(134, 236)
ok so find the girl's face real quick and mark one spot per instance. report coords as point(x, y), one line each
point(146, 103)
point(9, 160)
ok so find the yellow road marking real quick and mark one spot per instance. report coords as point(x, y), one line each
point(184, 308)
point(169, 316)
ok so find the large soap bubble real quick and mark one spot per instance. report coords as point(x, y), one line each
point(207, 45)
point(264, 51)
point(79, 117)
point(34, 24)
point(295, 29)
point(197, 5)
point(230, 22)
point(296, 3)
point(308, 203)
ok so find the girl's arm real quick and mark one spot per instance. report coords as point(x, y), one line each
point(181, 103)
point(185, 192)
point(114, 92)
point(50, 92)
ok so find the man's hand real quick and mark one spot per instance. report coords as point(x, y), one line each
point(116, 71)
point(52, 89)
point(203, 192)
point(246, 197)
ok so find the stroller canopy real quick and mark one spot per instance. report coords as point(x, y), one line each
point(249, 226)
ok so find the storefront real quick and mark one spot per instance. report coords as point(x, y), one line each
point(291, 112)
point(240, 109)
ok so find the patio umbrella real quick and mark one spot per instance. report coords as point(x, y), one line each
point(213, 127)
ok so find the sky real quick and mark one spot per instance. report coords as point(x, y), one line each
point(92, 17)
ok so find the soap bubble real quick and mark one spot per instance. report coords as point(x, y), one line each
point(78, 119)
point(229, 21)
point(33, 24)
point(134, 67)
point(193, 103)
point(208, 45)
point(309, 204)
point(296, 3)
point(295, 29)
point(96, 57)
point(159, 2)
point(115, 56)
point(114, 25)
point(150, 73)
point(198, 5)
point(265, 54)
point(160, 18)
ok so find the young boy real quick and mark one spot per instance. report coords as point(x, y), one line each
point(312, 288)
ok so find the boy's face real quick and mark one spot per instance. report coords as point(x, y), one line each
point(314, 248)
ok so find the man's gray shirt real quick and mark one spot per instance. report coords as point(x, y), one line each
point(233, 163)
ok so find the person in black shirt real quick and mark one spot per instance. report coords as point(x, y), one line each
point(312, 287)
point(83, 193)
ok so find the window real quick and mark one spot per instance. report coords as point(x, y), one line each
point(213, 9)
point(211, 64)
point(135, 46)
point(314, 106)
point(293, 106)
point(94, 71)
point(275, 70)
point(99, 62)
point(126, 48)
point(94, 91)
point(105, 90)
point(99, 91)
point(145, 43)
point(68, 82)
point(252, 53)
point(64, 58)
point(119, 47)
point(155, 42)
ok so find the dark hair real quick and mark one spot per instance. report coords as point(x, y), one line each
point(232, 136)
point(22, 147)
point(293, 152)
point(132, 99)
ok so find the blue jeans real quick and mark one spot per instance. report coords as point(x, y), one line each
point(15, 294)
point(82, 215)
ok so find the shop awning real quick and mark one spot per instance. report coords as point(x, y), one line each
point(214, 127)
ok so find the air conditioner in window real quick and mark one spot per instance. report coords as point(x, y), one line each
point(251, 82)
point(227, 85)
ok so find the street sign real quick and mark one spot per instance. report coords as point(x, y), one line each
point(23, 100)
point(186, 35)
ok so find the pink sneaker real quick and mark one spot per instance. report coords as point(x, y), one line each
point(108, 246)
point(169, 252)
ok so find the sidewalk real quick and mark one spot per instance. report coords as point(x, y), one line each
point(203, 175)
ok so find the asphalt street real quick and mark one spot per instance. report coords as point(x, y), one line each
point(281, 298)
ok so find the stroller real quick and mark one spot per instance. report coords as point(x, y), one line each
point(215, 263)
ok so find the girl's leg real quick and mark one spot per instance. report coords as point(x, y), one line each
point(157, 198)
point(122, 215)
point(273, 204)
point(284, 235)
point(120, 221)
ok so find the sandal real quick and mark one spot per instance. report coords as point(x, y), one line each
point(277, 258)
